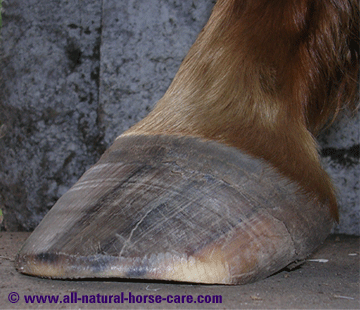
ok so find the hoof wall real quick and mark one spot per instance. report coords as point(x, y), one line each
point(179, 209)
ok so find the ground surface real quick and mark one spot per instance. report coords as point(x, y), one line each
point(331, 283)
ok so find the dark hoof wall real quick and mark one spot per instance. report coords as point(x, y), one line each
point(176, 208)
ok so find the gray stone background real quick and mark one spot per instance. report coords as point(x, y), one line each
point(75, 74)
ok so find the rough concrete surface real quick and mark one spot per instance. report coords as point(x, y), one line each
point(141, 51)
point(49, 74)
point(340, 154)
point(328, 280)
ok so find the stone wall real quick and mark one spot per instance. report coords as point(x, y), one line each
point(76, 74)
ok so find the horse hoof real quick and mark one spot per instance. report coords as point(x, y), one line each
point(176, 208)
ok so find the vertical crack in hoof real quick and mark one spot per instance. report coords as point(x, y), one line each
point(127, 241)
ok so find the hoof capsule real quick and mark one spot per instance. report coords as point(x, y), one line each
point(176, 208)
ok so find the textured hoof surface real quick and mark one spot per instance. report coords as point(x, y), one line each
point(176, 208)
